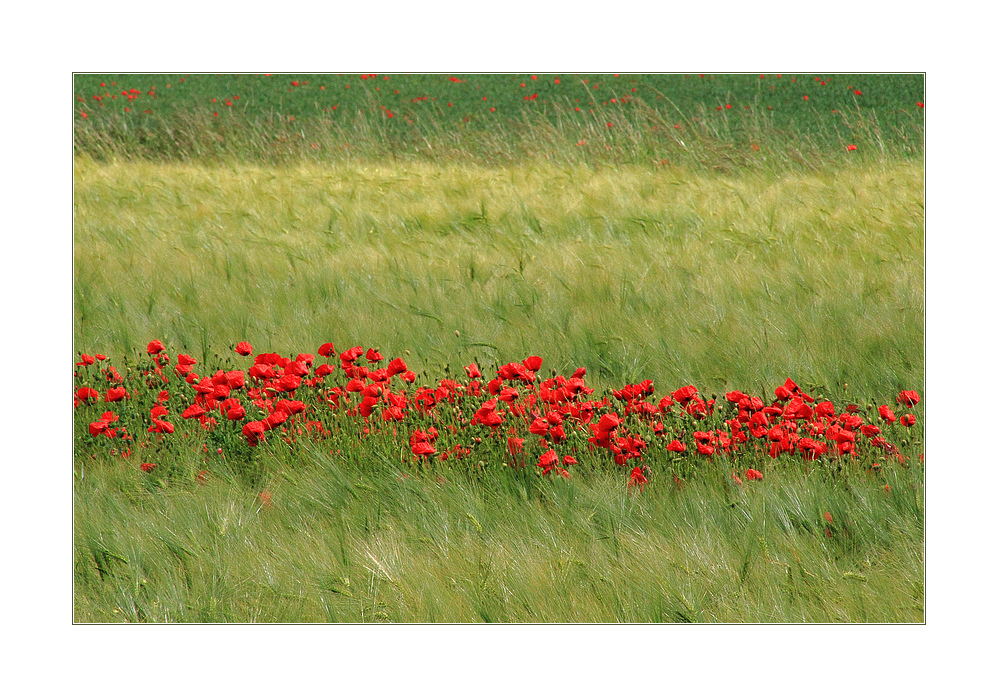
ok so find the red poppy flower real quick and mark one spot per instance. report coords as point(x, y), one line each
point(423, 449)
point(288, 383)
point(676, 447)
point(243, 348)
point(86, 360)
point(869, 430)
point(254, 431)
point(396, 366)
point(540, 427)
point(548, 461)
point(684, 394)
point(753, 474)
point(908, 420)
point(886, 414)
point(147, 466)
point(637, 479)
point(97, 427)
point(87, 394)
point(909, 398)
point(850, 147)
point(160, 426)
point(154, 347)
point(508, 395)
point(116, 394)
point(194, 411)
point(828, 517)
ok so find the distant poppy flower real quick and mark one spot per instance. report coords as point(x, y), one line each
point(920, 105)
point(243, 348)
point(908, 420)
point(155, 347)
point(828, 516)
point(753, 474)
point(147, 466)
point(738, 480)
point(850, 147)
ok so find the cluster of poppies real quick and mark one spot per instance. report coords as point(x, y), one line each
point(515, 416)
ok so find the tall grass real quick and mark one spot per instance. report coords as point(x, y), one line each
point(338, 543)
point(725, 282)
point(643, 134)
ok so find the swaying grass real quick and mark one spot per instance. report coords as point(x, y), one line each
point(634, 273)
point(727, 283)
point(337, 543)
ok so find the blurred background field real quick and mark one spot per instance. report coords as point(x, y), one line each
point(724, 123)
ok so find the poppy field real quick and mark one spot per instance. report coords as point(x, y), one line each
point(500, 380)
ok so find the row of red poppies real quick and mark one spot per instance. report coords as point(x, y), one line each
point(559, 412)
